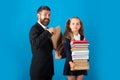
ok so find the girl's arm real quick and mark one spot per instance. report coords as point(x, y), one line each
point(67, 50)
point(72, 65)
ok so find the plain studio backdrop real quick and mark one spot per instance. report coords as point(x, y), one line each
point(101, 26)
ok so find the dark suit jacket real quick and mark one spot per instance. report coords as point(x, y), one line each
point(42, 58)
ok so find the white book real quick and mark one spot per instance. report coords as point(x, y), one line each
point(79, 45)
point(80, 57)
point(77, 52)
point(82, 54)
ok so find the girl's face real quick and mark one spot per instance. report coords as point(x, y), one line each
point(75, 25)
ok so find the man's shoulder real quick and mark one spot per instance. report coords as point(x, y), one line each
point(36, 26)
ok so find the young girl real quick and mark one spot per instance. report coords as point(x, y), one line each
point(74, 31)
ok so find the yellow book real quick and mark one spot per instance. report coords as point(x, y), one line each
point(81, 64)
point(77, 48)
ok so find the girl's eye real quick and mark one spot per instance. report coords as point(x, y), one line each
point(73, 23)
point(77, 23)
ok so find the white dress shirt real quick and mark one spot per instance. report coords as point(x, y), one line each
point(77, 37)
point(42, 25)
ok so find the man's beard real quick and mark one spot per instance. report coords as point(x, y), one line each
point(45, 21)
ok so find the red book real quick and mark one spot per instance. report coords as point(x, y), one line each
point(79, 42)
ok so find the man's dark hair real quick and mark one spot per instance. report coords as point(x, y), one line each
point(43, 8)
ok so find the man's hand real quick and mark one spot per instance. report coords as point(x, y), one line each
point(52, 30)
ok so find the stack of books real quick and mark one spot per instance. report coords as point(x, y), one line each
point(80, 54)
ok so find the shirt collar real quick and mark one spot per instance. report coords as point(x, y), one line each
point(42, 25)
point(77, 37)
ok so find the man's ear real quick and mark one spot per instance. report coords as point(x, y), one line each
point(38, 14)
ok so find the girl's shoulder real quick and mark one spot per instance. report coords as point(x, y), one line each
point(67, 40)
point(82, 37)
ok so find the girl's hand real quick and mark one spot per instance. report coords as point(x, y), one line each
point(72, 65)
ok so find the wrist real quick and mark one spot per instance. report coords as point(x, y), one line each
point(70, 62)
point(49, 31)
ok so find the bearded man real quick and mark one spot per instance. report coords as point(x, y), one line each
point(42, 67)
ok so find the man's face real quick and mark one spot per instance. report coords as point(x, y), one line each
point(44, 17)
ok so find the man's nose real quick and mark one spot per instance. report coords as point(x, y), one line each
point(48, 16)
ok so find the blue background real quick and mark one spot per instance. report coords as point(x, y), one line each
point(101, 26)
